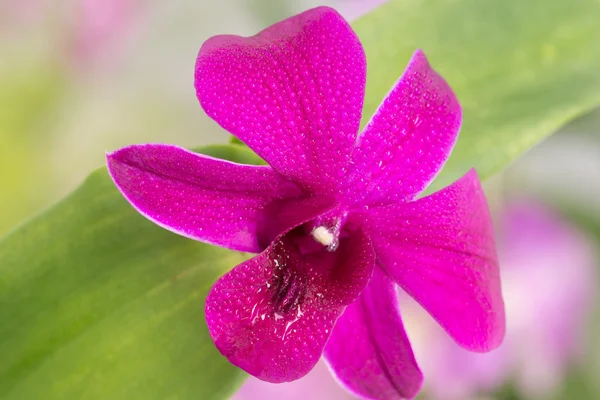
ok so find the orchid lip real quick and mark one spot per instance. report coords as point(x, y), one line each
point(288, 287)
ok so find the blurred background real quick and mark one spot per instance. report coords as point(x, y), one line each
point(81, 77)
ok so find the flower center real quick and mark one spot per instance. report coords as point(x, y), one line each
point(326, 230)
point(323, 236)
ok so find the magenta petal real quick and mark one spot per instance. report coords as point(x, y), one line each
point(200, 197)
point(409, 137)
point(293, 93)
point(440, 249)
point(369, 351)
point(272, 315)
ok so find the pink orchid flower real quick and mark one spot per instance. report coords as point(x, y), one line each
point(549, 277)
point(334, 217)
point(98, 26)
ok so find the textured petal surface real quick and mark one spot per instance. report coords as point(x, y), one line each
point(293, 93)
point(272, 315)
point(369, 351)
point(441, 250)
point(408, 139)
point(201, 197)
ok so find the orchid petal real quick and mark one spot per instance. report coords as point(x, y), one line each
point(293, 93)
point(440, 249)
point(200, 197)
point(409, 138)
point(272, 315)
point(369, 351)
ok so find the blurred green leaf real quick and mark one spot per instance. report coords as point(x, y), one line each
point(579, 384)
point(521, 69)
point(29, 94)
point(96, 302)
point(234, 140)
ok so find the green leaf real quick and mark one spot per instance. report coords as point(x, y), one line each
point(96, 302)
point(521, 69)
